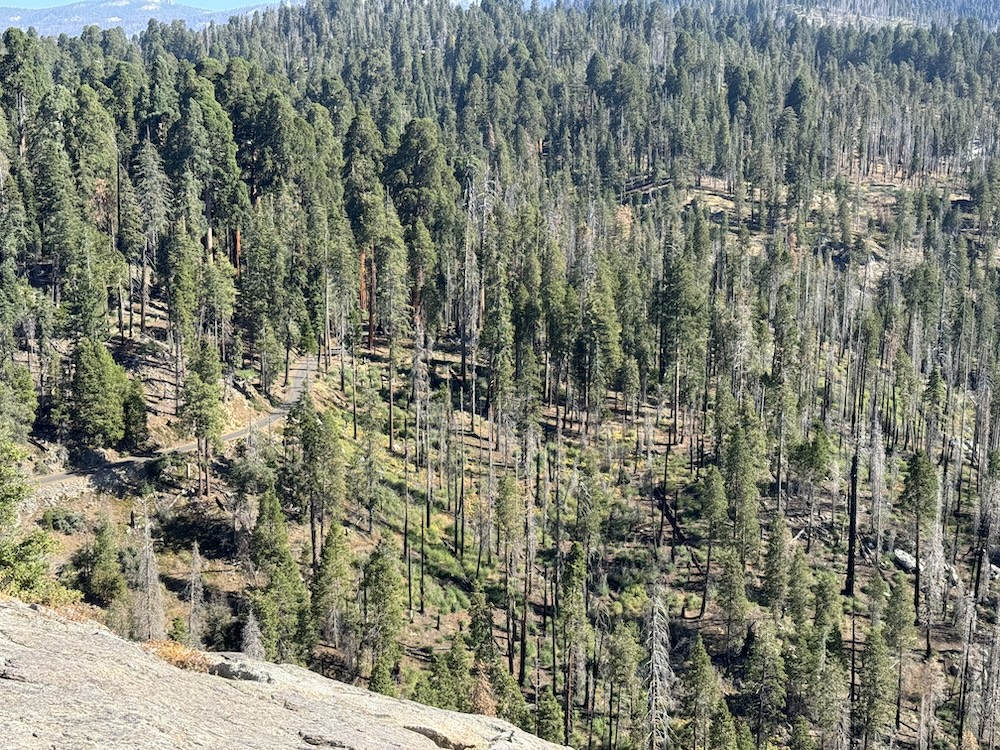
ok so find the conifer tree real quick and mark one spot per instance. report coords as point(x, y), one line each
point(801, 738)
point(799, 586)
point(899, 632)
point(811, 460)
point(105, 580)
point(507, 696)
point(393, 301)
point(13, 488)
point(776, 565)
point(252, 640)
point(18, 401)
point(701, 695)
point(202, 411)
point(24, 563)
point(572, 624)
point(622, 673)
point(732, 597)
point(331, 587)
point(744, 736)
point(135, 432)
point(661, 681)
point(97, 391)
point(723, 733)
point(154, 196)
point(549, 719)
point(364, 201)
point(481, 628)
point(149, 623)
point(483, 702)
point(873, 705)
point(741, 468)
point(281, 604)
point(383, 614)
point(919, 494)
point(714, 509)
point(765, 680)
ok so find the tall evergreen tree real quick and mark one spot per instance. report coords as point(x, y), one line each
point(281, 602)
point(383, 614)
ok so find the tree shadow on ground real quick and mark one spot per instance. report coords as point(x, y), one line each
point(196, 522)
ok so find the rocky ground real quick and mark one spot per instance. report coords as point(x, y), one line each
point(67, 683)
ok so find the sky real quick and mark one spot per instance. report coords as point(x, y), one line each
point(205, 4)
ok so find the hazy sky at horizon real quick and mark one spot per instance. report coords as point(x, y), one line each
point(205, 4)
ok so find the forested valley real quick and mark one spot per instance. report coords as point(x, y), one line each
point(621, 369)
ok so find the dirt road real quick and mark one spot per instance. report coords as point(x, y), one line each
point(297, 377)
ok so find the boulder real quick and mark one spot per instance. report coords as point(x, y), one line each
point(904, 560)
point(67, 682)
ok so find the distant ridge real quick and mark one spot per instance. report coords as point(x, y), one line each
point(131, 15)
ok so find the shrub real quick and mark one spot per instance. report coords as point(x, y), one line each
point(63, 520)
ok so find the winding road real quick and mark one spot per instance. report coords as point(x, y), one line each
point(298, 374)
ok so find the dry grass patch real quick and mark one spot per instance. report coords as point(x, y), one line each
point(178, 655)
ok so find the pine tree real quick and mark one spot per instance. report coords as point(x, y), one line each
point(799, 586)
point(765, 680)
point(393, 306)
point(899, 631)
point(660, 679)
point(482, 702)
point(723, 733)
point(97, 391)
point(811, 460)
point(481, 627)
point(714, 510)
point(776, 565)
point(624, 654)
point(149, 621)
point(572, 624)
point(153, 191)
point(135, 433)
point(732, 598)
point(313, 471)
point(741, 469)
point(105, 580)
point(365, 204)
point(919, 494)
point(202, 412)
point(507, 696)
point(744, 737)
point(383, 614)
point(497, 335)
point(252, 640)
point(802, 738)
point(281, 604)
point(828, 613)
point(549, 719)
point(18, 400)
point(873, 706)
point(459, 669)
point(331, 587)
point(701, 695)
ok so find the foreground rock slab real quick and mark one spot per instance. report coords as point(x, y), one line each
point(72, 685)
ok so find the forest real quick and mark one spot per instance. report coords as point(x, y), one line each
point(620, 368)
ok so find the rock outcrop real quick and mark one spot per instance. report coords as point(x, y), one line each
point(69, 685)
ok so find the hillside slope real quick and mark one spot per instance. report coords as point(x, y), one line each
point(70, 684)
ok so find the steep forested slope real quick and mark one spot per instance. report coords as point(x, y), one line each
point(648, 342)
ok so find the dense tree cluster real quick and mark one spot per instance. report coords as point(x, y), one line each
point(647, 337)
